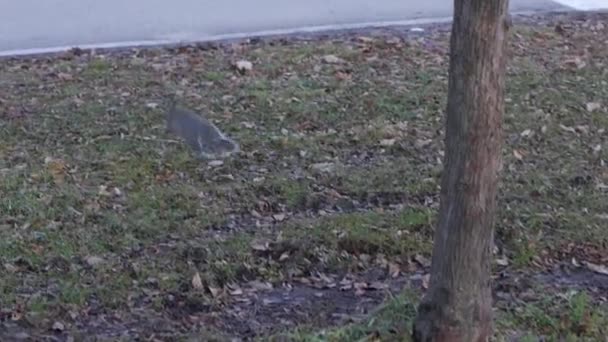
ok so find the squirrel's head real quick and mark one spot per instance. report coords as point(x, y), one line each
point(227, 146)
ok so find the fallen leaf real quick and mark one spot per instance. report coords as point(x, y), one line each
point(526, 133)
point(593, 106)
point(597, 148)
point(228, 98)
point(64, 76)
point(323, 167)
point(567, 128)
point(420, 143)
point(279, 217)
point(332, 59)
point(518, 155)
point(394, 41)
point(387, 142)
point(284, 256)
point(236, 292)
point(117, 192)
point(364, 39)
point(197, 282)
point(426, 279)
point(360, 288)
point(58, 326)
point(103, 191)
point(260, 285)
point(502, 261)
point(260, 245)
point(601, 269)
point(94, 260)
point(343, 76)
point(582, 129)
point(11, 268)
point(394, 269)
point(378, 285)
point(215, 291)
point(57, 168)
point(575, 63)
point(244, 66)
point(420, 259)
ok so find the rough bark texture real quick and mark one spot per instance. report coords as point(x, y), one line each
point(458, 305)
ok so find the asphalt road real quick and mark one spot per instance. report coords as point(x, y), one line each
point(39, 25)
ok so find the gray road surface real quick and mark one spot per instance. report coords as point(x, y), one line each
point(43, 24)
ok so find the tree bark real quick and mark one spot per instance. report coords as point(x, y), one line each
point(458, 305)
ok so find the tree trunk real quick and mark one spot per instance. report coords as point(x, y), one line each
point(458, 305)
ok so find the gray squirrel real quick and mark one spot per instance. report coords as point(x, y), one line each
point(202, 136)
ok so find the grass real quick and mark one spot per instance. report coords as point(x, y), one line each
point(560, 317)
point(103, 215)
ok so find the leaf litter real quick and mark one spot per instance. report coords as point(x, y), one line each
point(323, 216)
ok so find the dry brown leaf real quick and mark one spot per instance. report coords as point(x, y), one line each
point(11, 268)
point(601, 269)
point(420, 143)
point(503, 261)
point(567, 128)
point(94, 260)
point(323, 167)
point(64, 76)
point(236, 292)
point(592, 106)
point(58, 326)
point(394, 269)
point(601, 186)
point(103, 191)
point(378, 285)
point(518, 155)
point(260, 285)
point(284, 256)
point(215, 291)
point(244, 66)
point(387, 142)
point(197, 282)
point(260, 245)
point(526, 133)
point(426, 279)
point(343, 76)
point(422, 261)
point(364, 39)
point(57, 168)
point(279, 217)
point(543, 129)
point(582, 129)
point(332, 59)
point(215, 163)
point(576, 62)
